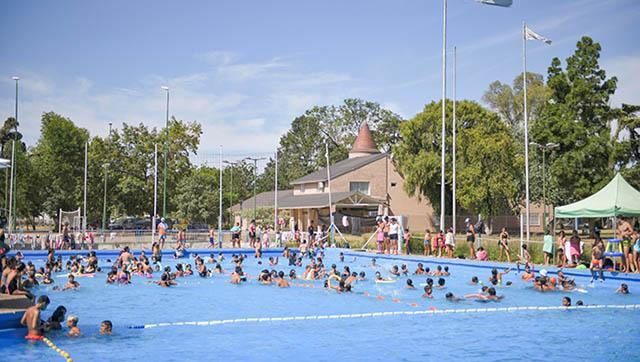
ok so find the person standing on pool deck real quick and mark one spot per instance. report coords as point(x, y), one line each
point(450, 242)
point(394, 229)
point(504, 244)
point(31, 318)
point(235, 235)
point(162, 232)
point(624, 232)
point(387, 243)
point(252, 234)
point(380, 236)
point(212, 241)
point(471, 239)
point(311, 231)
point(407, 241)
point(427, 242)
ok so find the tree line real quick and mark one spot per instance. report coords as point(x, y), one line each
point(569, 107)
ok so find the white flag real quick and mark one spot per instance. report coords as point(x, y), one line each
point(532, 35)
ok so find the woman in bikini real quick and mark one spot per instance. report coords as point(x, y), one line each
point(504, 244)
point(471, 239)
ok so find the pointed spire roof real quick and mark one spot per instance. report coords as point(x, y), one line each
point(364, 144)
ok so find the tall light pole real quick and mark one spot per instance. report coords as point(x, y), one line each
point(164, 181)
point(104, 202)
point(444, 113)
point(220, 201)
point(544, 149)
point(453, 146)
point(12, 205)
point(230, 163)
point(255, 179)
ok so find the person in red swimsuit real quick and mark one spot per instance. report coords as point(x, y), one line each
point(31, 319)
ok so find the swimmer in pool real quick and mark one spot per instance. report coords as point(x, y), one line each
point(31, 318)
point(566, 302)
point(281, 281)
point(441, 283)
point(427, 292)
point(71, 283)
point(72, 323)
point(410, 284)
point(474, 281)
point(419, 269)
point(490, 296)
point(351, 278)
point(106, 328)
point(452, 298)
point(528, 275)
point(395, 271)
point(55, 321)
point(496, 277)
point(623, 289)
point(373, 262)
point(405, 270)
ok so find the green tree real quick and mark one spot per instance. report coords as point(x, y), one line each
point(577, 117)
point(627, 149)
point(508, 100)
point(197, 196)
point(302, 148)
point(59, 158)
point(488, 162)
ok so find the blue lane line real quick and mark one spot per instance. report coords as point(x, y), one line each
point(485, 265)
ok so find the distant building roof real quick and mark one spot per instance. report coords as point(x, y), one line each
point(286, 200)
point(338, 169)
point(364, 143)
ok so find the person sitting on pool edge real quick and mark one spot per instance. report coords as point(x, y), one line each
point(106, 328)
point(72, 323)
point(31, 319)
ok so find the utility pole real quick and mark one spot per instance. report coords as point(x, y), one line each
point(255, 179)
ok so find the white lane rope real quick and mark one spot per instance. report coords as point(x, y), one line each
point(385, 314)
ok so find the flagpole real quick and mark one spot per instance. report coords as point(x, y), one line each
point(84, 196)
point(275, 201)
point(453, 153)
point(332, 225)
point(526, 128)
point(155, 192)
point(444, 95)
point(220, 203)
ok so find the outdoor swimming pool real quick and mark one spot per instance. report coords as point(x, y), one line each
point(347, 326)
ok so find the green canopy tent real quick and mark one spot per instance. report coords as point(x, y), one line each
point(617, 198)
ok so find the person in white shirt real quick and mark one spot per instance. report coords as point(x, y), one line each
point(393, 236)
point(450, 242)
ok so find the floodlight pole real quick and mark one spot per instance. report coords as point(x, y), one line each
point(164, 182)
point(12, 203)
point(255, 179)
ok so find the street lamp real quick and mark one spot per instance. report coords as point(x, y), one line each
point(12, 186)
point(104, 204)
point(164, 181)
point(255, 179)
point(544, 149)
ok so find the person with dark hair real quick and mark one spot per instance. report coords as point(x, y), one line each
point(106, 327)
point(56, 319)
point(31, 319)
point(566, 302)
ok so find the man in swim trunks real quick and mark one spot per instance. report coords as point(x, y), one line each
point(162, 231)
point(624, 232)
point(31, 318)
point(596, 261)
point(235, 235)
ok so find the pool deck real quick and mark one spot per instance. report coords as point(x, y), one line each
point(12, 308)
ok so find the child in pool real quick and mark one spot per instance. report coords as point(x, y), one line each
point(72, 323)
point(106, 328)
point(410, 284)
point(427, 292)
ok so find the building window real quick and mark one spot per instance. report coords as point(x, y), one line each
point(359, 186)
point(301, 187)
point(320, 186)
point(393, 184)
point(534, 219)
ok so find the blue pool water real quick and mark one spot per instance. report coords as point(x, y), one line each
point(587, 334)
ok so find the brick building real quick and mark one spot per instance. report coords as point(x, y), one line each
point(363, 186)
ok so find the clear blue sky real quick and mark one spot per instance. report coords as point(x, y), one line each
point(245, 69)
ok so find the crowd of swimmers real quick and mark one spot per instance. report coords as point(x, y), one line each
point(20, 278)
